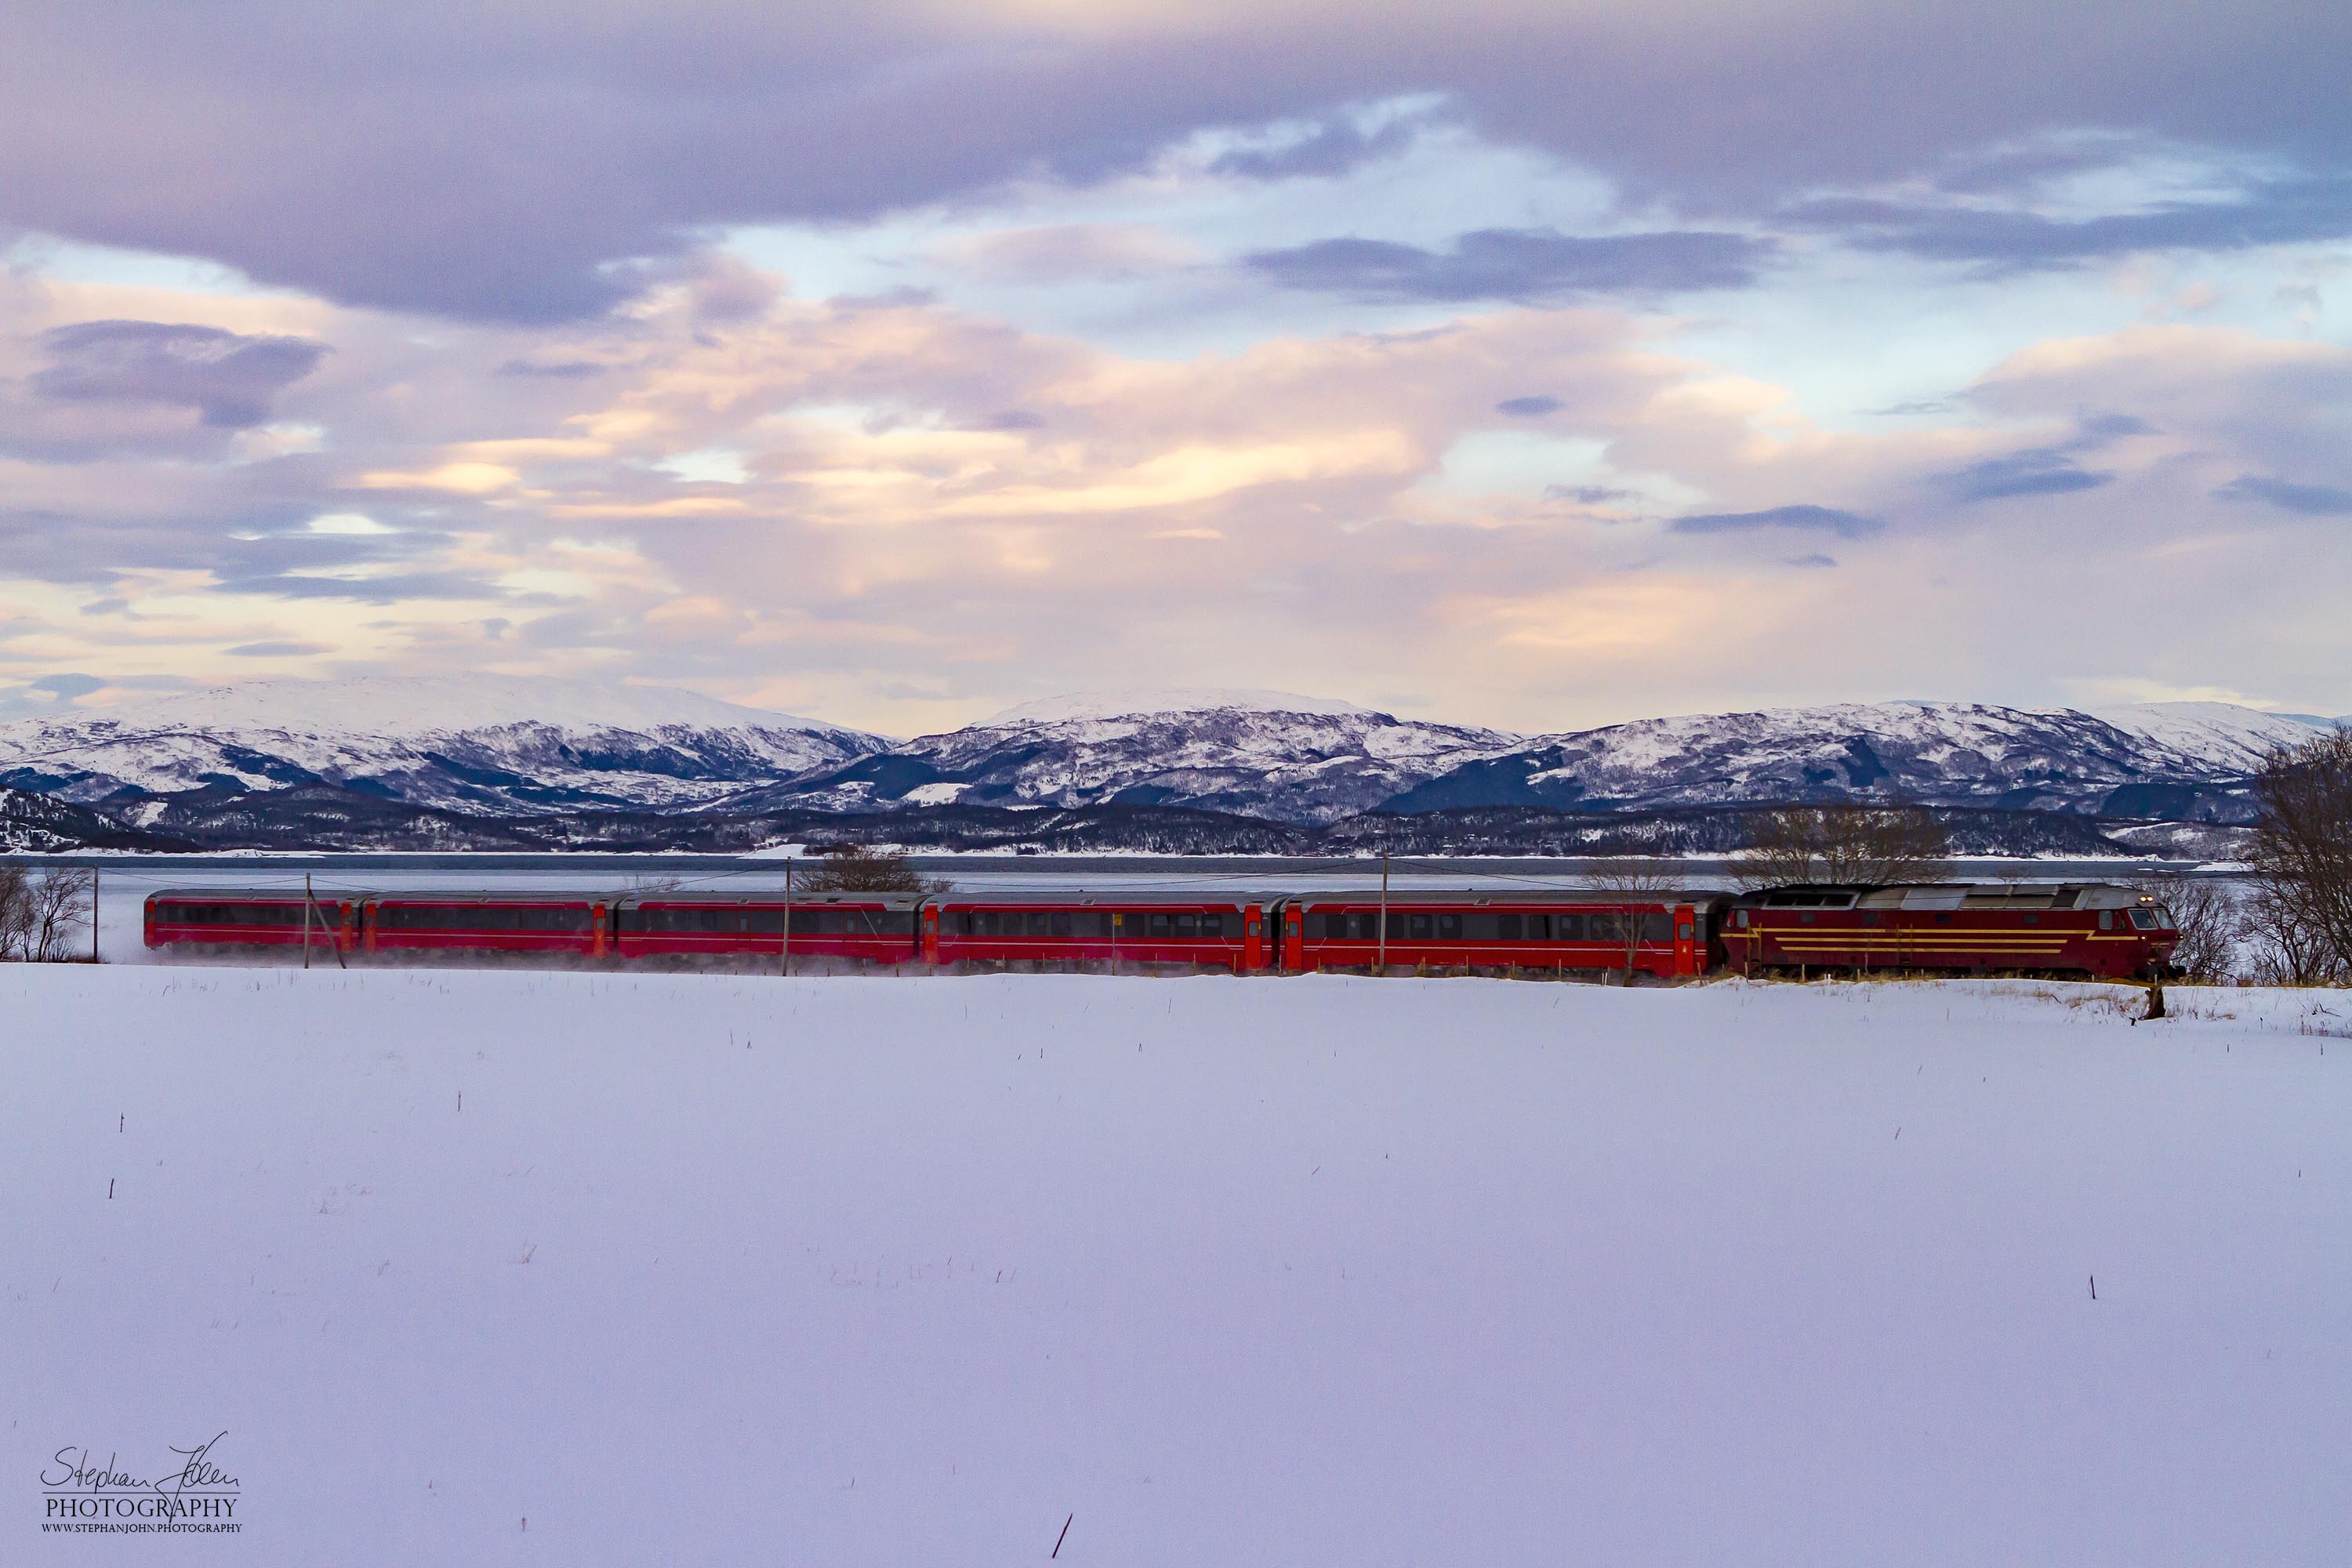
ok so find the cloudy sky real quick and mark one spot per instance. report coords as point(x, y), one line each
point(1530, 365)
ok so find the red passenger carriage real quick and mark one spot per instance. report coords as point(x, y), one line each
point(1112, 929)
point(1664, 935)
point(250, 916)
point(497, 923)
point(878, 928)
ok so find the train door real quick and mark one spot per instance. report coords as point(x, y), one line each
point(1253, 937)
point(597, 945)
point(1686, 940)
point(930, 927)
point(1294, 937)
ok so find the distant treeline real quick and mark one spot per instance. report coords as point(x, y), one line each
point(324, 818)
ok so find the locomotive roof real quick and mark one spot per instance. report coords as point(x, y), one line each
point(1949, 895)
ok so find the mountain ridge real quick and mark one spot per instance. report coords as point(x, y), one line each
point(489, 749)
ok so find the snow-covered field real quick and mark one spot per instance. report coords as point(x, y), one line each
point(1281, 1272)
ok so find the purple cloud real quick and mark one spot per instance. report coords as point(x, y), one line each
point(502, 164)
point(1828, 519)
point(2310, 501)
point(1524, 265)
point(2039, 472)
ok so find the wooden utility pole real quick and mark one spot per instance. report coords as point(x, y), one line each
point(94, 875)
point(311, 906)
point(788, 913)
point(1384, 913)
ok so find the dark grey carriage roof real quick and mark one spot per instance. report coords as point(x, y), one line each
point(476, 897)
point(247, 894)
point(1107, 899)
point(1500, 897)
point(772, 898)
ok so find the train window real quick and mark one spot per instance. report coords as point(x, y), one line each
point(1061, 925)
point(1741, 920)
point(1417, 926)
point(1685, 932)
point(1105, 925)
point(1870, 917)
point(1507, 928)
point(1449, 928)
point(1604, 928)
point(1808, 918)
point(1212, 925)
point(1160, 925)
point(2107, 919)
point(1658, 927)
point(1039, 923)
point(1187, 926)
point(2033, 919)
point(2144, 919)
point(1539, 927)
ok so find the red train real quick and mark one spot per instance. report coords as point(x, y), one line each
point(2088, 930)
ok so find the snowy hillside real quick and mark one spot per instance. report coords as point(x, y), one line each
point(2221, 733)
point(1293, 759)
point(476, 744)
point(2159, 764)
point(491, 1268)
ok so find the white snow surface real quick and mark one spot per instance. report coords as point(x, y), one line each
point(2223, 733)
point(1223, 1272)
point(1122, 704)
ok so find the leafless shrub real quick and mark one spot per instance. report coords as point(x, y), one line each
point(2211, 924)
point(861, 868)
point(2301, 861)
point(1874, 842)
point(41, 916)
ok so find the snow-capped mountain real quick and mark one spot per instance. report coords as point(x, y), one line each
point(2155, 760)
point(489, 744)
point(1257, 753)
point(283, 754)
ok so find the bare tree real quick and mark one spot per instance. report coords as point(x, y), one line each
point(1633, 880)
point(2208, 920)
point(860, 868)
point(2301, 859)
point(60, 912)
point(41, 916)
point(1871, 842)
point(16, 914)
point(2282, 946)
